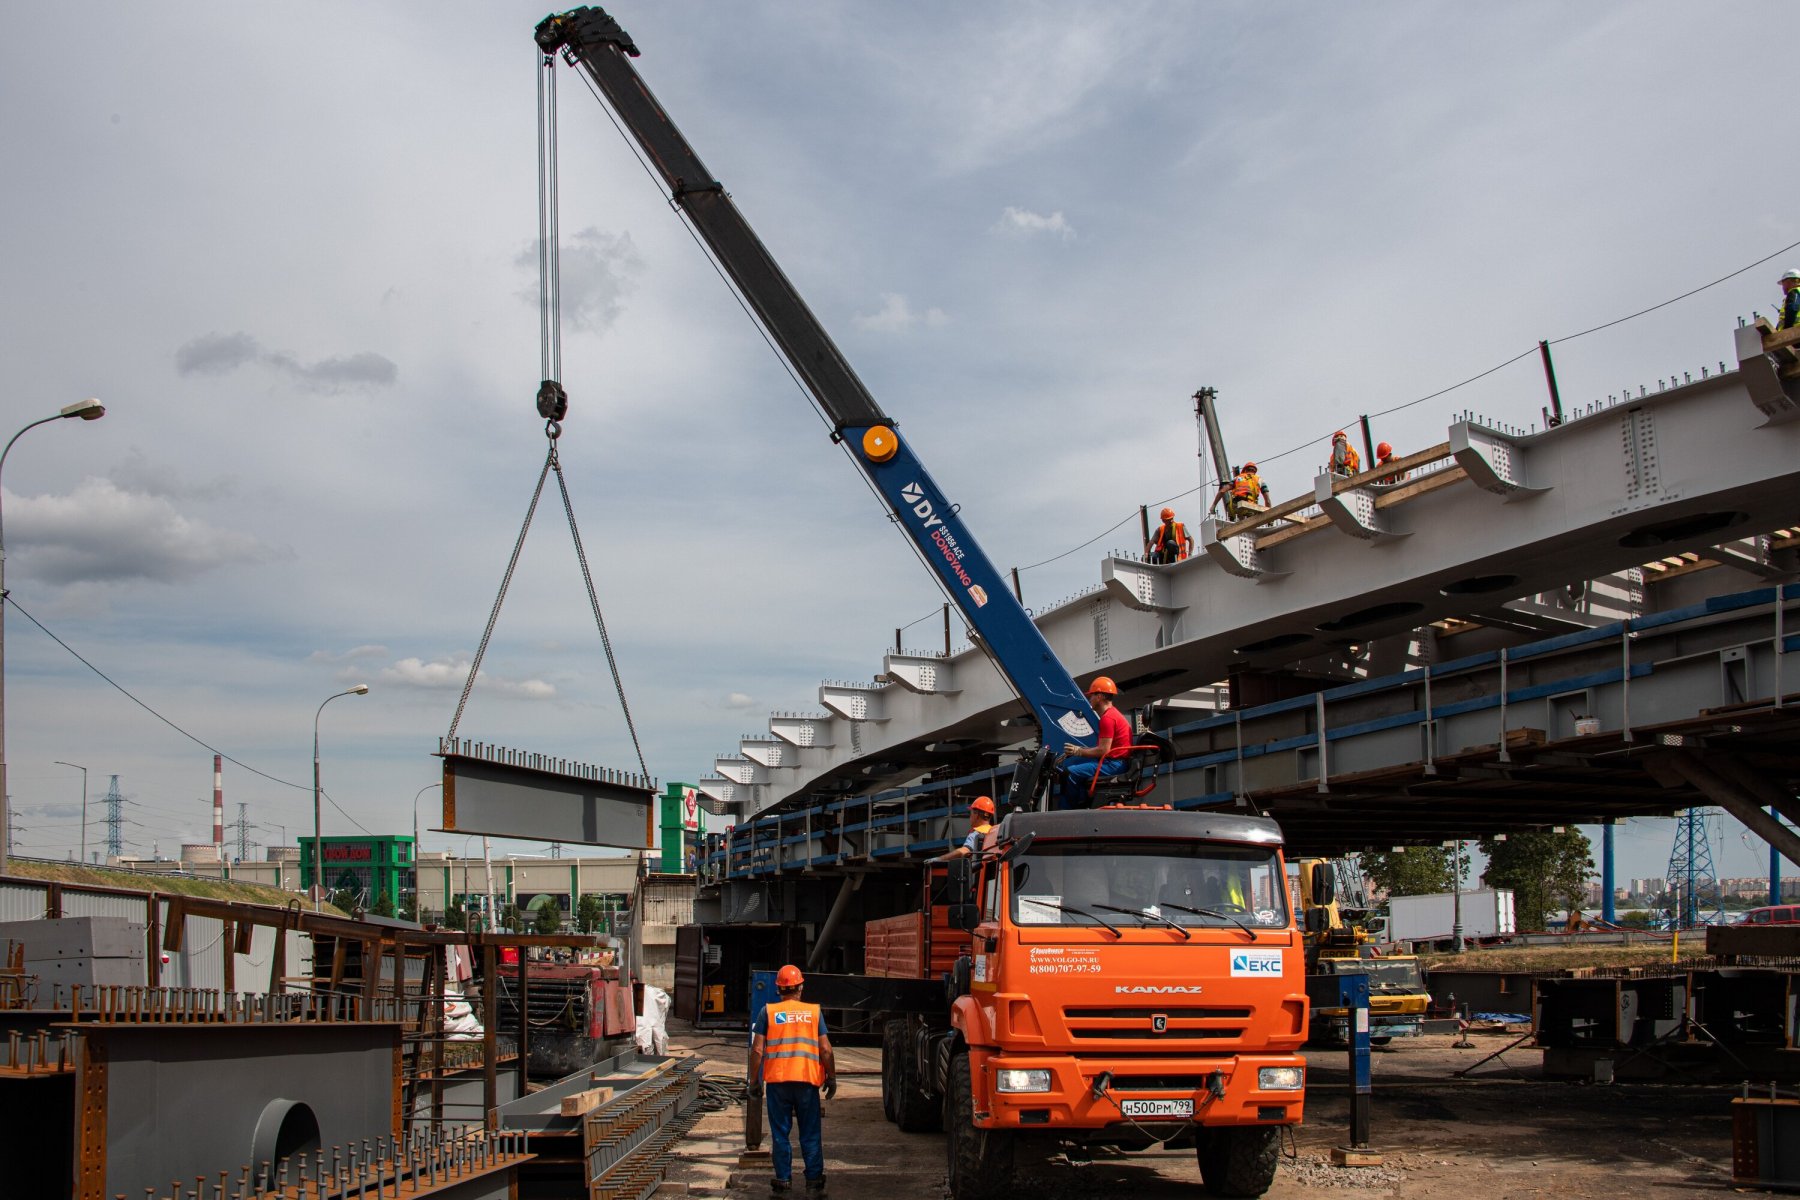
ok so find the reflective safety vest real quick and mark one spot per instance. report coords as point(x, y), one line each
point(1246, 486)
point(973, 841)
point(1351, 462)
point(791, 1051)
point(1790, 310)
point(1170, 535)
point(1393, 478)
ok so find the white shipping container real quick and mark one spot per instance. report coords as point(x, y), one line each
point(1485, 914)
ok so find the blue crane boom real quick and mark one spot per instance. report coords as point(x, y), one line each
point(592, 41)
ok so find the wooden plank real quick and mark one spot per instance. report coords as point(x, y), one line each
point(581, 1102)
point(1419, 487)
point(1288, 507)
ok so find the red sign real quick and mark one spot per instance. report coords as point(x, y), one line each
point(349, 853)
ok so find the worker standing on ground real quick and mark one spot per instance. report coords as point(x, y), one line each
point(791, 1060)
point(1241, 494)
point(981, 819)
point(1106, 756)
point(1344, 459)
point(1384, 454)
point(1790, 301)
point(1171, 542)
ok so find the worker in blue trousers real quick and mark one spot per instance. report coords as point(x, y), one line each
point(792, 1063)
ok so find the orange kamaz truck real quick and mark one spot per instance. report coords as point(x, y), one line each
point(1124, 977)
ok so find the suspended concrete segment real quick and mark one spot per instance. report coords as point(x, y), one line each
point(511, 793)
point(1480, 520)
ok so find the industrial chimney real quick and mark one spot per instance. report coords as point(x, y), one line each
point(219, 805)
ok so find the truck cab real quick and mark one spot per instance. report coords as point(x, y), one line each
point(1135, 980)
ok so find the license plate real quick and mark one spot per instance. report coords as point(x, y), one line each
point(1157, 1108)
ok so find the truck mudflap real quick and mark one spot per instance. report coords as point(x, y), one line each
point(1093, 1092)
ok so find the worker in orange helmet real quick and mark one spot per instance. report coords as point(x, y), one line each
point(1106, 756)
point(1171, 542)
point(792, 1063)
point(1344, 459)
point(981, 819)
point(1240, 493)
point(1384, 454)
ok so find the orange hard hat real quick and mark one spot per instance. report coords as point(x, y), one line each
point(1103, 685)
point(789, 977)
point(1382, 449)
point(1339, 436)
point(1168, 514)
point(1250, 467)
point(982, 804)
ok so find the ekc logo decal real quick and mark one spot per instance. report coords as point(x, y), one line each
point(1256, 964)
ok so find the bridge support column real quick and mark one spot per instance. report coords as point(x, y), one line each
point(1734, 799)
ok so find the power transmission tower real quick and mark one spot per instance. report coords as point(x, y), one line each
point(243, 831)
point(115, 820)
point(555, 849)
point(1691, 875)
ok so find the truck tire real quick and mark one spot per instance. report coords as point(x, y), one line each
point(914, 1111)
point(980, 1160)
point(1239, 1161)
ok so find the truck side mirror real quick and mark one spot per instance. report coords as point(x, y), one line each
point(965, 916)
point(958, 879)
point(1316, 920)
point(1324, 887)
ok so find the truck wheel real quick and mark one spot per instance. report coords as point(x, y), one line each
point(893, 1044)
point(914, 1111)
point(980, 1160)
point(1239, 1161)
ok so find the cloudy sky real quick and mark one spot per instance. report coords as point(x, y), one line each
point(293, 252)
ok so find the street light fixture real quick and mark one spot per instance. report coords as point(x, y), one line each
point(361, 689)
point(87, 410)
point(420, 792)
point(83, 770)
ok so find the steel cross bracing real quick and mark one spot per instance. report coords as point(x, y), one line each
point(1699, 705)
point(1481, 521)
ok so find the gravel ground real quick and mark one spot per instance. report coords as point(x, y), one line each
point(1503, 1134)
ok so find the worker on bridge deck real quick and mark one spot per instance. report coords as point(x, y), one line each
point(1106, 756)
point(792, 1062)
point(1344, 458)
point(1171, 542)
point(1790, 301)
point(1241, 494)
point(981, 819)
point(1384, 454)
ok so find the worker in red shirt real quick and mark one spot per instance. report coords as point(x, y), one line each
point(1106, 756)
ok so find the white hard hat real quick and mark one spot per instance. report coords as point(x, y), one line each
point(1790, 275)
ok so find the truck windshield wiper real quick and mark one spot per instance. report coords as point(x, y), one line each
point(1144, 912)
point(1070, 908)
point(1211, 912)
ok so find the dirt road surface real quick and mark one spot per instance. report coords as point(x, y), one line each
point(1504, 1133)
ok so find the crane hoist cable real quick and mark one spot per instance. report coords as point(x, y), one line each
point(553, 406)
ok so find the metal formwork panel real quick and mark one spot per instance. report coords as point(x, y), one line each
point(22, 901)
point(105, 904)
point(163, 1101)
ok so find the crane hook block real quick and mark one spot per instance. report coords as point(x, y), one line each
point(880, 443)
point(552, 401)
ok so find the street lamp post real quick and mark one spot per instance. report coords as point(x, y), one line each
point(361, 689)
point(87, 410)
point(416, 796)
point(82, 858)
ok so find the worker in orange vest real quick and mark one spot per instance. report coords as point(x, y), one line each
point(792, 1064)
point(1384, 454)
point(981, 819)
point(1241, 493)
point(1344, 460)
point(1171, 542)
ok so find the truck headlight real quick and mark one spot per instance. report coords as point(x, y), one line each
point(1280, 1079)
point(1022, 1081)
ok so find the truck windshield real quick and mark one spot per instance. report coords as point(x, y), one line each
point(1384, 976)
point(1193, 883)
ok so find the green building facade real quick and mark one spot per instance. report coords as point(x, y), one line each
point(372, 867)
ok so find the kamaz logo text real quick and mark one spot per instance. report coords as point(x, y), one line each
point(1157, 989)
point(915, 496)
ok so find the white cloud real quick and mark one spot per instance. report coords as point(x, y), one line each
point(102, 533)
point(223, 353)
point(896, 315)
point(1022, 222)
point(738, 700)
point(354, 654)
point(444, 674)
point(596, 270)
